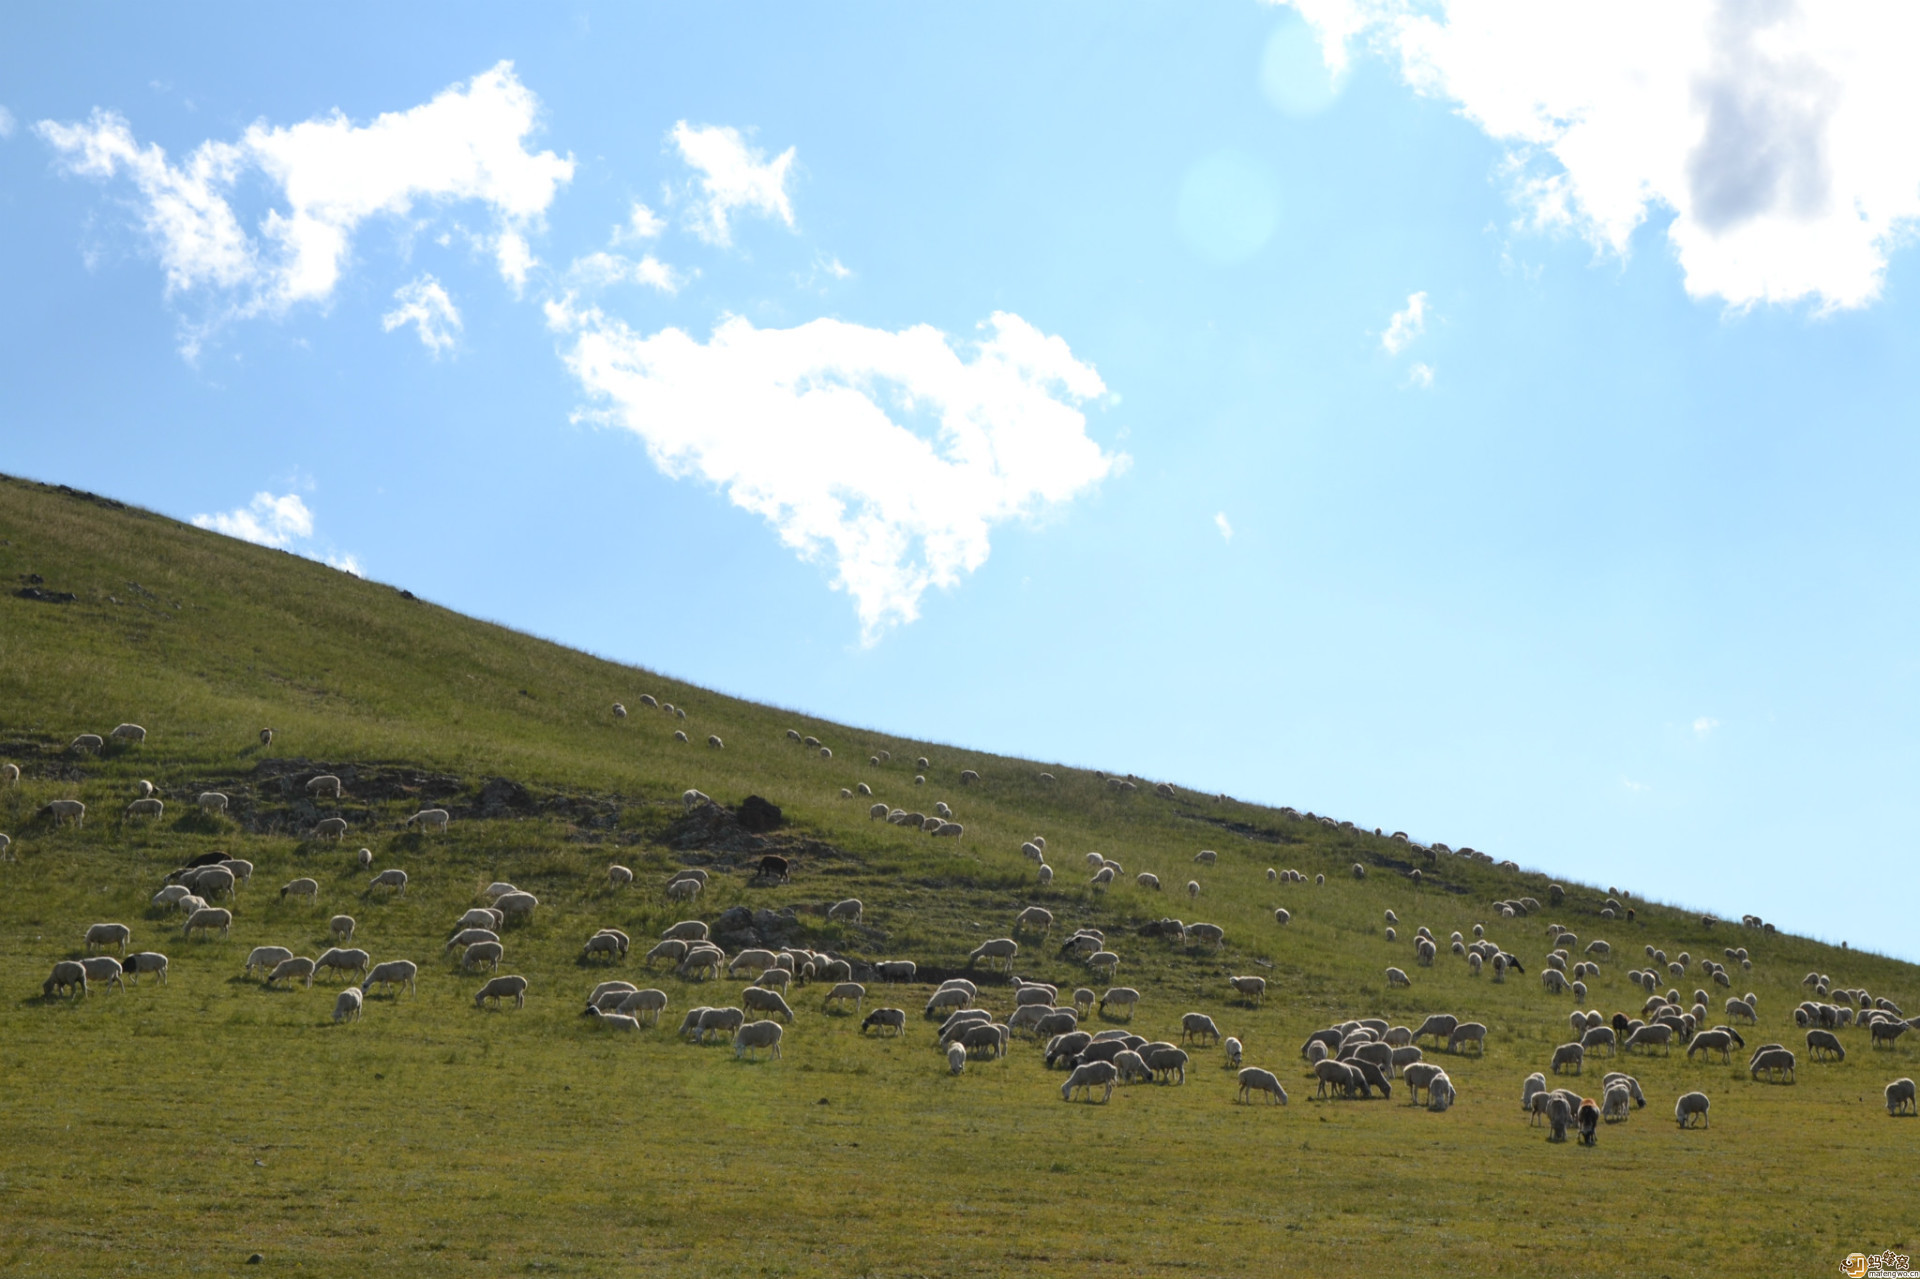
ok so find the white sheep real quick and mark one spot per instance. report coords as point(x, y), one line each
point(325, 784)
point(1691, 1106)
point(758, 999)
point(347, 1005)
point(1254, 988)
point(679, 736)
point(63, 810)
point(489, 953)
point(643, 1005)
point(850, 910)
point(1253, 1080)
point(266, 957)
point(103, 970)
point(394, 878)
point(341, 959)
point(515, 905)
point(145, 961)
point(1233, 1049)
point(240, 868)
point(68, 975)
point(210, 917)
point(293, 968)
point(153, 808)
point(499, 988)
point(6, 849)
point(689, 930)
point(10, 774)
point(1090, 1075)
point(1046, 874)
point(1900, 1098)
point(129, 733)
point(1121, 997)
point(330, 828)
point(115, 935)
point(618, 876)
point(341, 927)
point(1193, 888)
point(714, 742)
point(843, 991)
point(364, 859)
point(479, 917)
point(394, 972)
point(956, 1059)
point(431, 818)
point(1569, 1055)
point(1396, 977)
point(1003, 949)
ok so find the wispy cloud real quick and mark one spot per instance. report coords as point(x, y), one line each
point(598, 270)
point(330, 176)
point(1770, 132)
point(734, 178)
point(889, 456)
point(1406, 324)
point(1633, 787)
point(424, 304)
point(6, 123)
point(1421, 375)
point(1704, 725)
point(1220, 522)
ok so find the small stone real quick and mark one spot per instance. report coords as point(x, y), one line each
point(255, 1259)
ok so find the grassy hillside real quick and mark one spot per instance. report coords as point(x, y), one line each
point(178, 1129)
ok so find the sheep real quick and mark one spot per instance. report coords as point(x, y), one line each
point(1121, 996)
point(1822, 1041)
point(1034, 917)
point(88, 742)
point(1467, 1032)
point(1712, 1041)
point(679, 736)
point(849, 910)
point(469, 937)
point(146, 808)
point(103, 969)
point(1255, 1080)
point(853, 990)
point(1088, 1076)
point(330, 828)
point(618, 876)
point(266, 957)
point(1569, 1055)
point(1165, 1062)
point(1338, 1076)
point(347, 1005)
point(325, 784)
point(515, 905)
point(885, 1019)
point(1198, 1025)
point(896, 969)
point(1599, 1037)
point(1282, 916)
point(947, 998)
point(1234, 1049)
point(1395, 977)
point(714, 742)
point(1691, 1106)
point(10, 774)
point(1419, 1076)
point(1533, 1086)
point(61, 810)
point(6, 849)
point(431, 819)
point(1034, 993)
point(210, 917)
point(395, 972)
point(1210, 933)
point(956, 1059)
point(343, 960)
point(1647, 1036)
point(1254, 988)
point(239, 867)
point(724, 1020)
point(480, 917)
point(394, 878)
point(1777, 1062)
point(117, 935)
point(988, 1035)
point(1900, 1098)
point(129, 733)
point(759, 999)
point(293, 968)
point(484, 952)
point(1000, 948)
point(1886, 1031)
point(68, 975)
point(1193, 888)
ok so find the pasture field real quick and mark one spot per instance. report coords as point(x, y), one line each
point(178, 1129)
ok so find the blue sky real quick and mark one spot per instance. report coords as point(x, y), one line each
point(1420, 414)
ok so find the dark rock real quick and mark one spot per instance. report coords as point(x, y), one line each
point(714, 828)
point(56, 597)
point(759, 816)
point(501, 796)
point(408, 595)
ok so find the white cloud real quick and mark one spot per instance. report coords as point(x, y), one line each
point(642, 224)
point(1704, 725)
point(1776, 135)
point(6, 123)
point(1421, 375)
point(345, 563)
point(1633, 787)
point(597, 270)
point(1406, 325)
point(888, 455)
point(424, 304)
point(267, 520)
point(329, 176)
point(734, 177)
point(1220, 522)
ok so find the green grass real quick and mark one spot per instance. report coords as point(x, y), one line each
point(175, 1130)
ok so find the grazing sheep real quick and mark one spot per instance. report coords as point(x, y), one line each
point(1166, 1062)
point(1900, 1098)
point(644, 1006)
point(129, 733)
point(1886, 1031)
point(1777, 1062)
point(724, 1020)
point(395, 972)
point(1599, 1037)
point(1254, 988)
point(946, 998)
point(103, 969)
point(469, 937)
point(618, 876)
point(325, 784)
point(1211, 933)
point(1193, 888)
point(146, 808)
point(1439, 1025)
point(210, 917)
point(342, 960)
point(1468, 1032)
point(330, 828)
point(1198, 1025)
point(850, 910)
point(1569, 1055)
point(1691, 1106)
point(499, 988)
point(885, 1019)
point(395, 879)
point(956, 1059)
point(1714, 1041)
point(758, 999)
point(714, 742)
point(488, 953)
point(1088, 1076)
point(68, 975)
point(266, 957)
point(145, 961)
point(1121, 996)
point(1821, 1041)
point(1234, 1049)
point(6, 849)
point(431, 818)
point(116, 935)
point(1281, 916)
point(293, 968)
point(347, 1005)
point(212, 802)
point(857, 993)
point(679, 736)
point(341, 926)
point(62, 810)
point(515, 905)
point(239, 867)
point(1000, 948)
point(1337, 1076)
point(1533, 1086)
point(1255, 1080)
point(89, 742)
point(1034, 917)
point(897, 969)
point(988, 1035)
point(480, 917)
point(266, 737)
point(10, 774)
point(1395, 977)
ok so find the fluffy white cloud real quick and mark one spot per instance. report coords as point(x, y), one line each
point(597, 270)
point(642, 224)
point(1421, 375)
point(6, 123)
point(267, 520)
point(1406, 324)
point(1220, 522)
point(425, 304)
point(330, 176)
point(1704, 725)
point(734, 177)
point(888, 455)
point(1775, 134)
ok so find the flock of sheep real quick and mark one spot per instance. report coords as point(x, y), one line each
point(1351, 1060)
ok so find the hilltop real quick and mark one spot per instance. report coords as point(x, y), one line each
point(170, 1129)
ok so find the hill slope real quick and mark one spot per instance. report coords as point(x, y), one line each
point(178, 1128)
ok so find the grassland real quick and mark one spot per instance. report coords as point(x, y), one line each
point(179, 1129)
